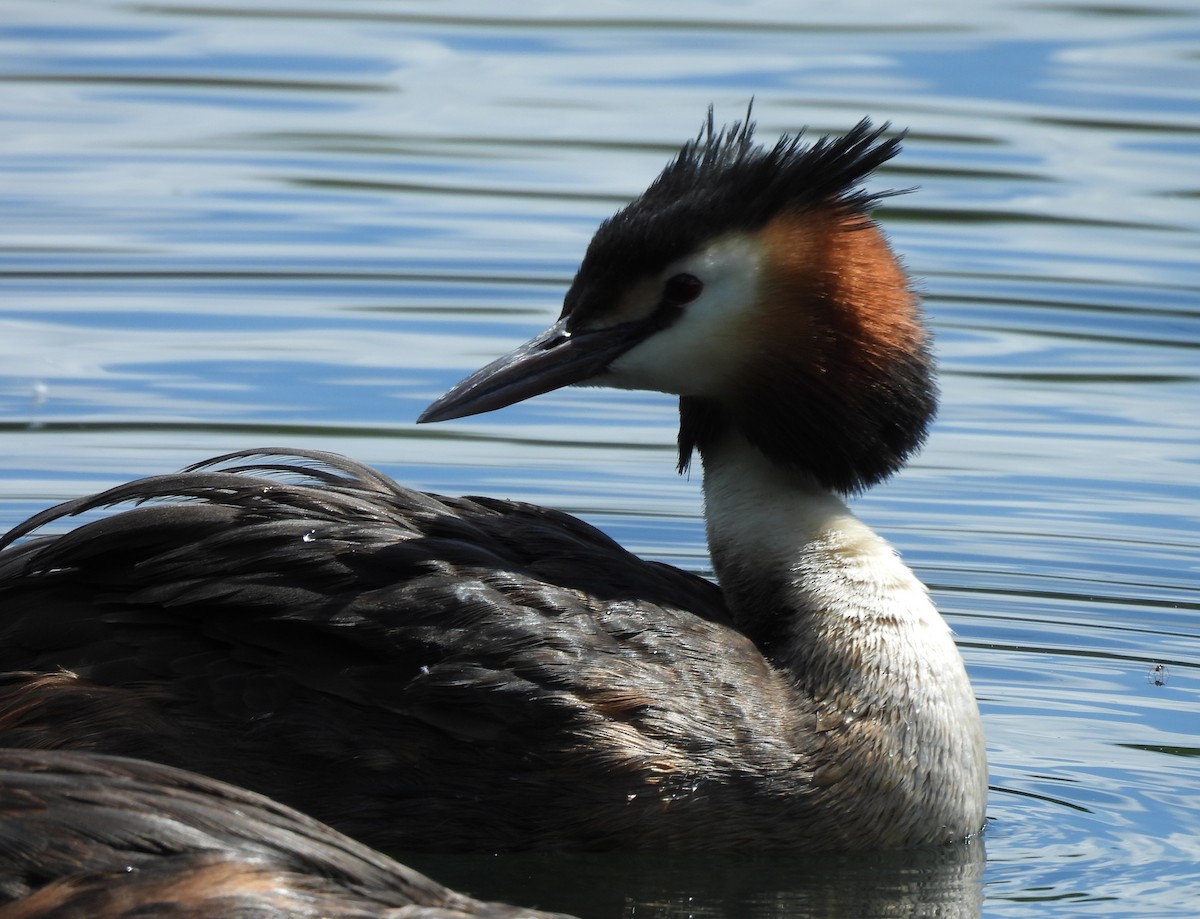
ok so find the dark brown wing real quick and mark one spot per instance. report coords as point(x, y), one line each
point(414, 670)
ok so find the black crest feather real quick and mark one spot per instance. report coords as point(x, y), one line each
point(720, 182)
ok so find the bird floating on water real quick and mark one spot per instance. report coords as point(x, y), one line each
point(471, 673)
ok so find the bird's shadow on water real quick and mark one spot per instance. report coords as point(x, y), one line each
point(946, 882)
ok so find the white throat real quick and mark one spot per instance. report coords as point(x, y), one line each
point(835, 566)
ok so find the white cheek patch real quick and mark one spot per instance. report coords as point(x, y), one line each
point(697, 354)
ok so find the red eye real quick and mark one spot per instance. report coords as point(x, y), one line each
point(682, 288)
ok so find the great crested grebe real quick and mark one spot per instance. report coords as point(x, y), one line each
point(475, 673)
point(99, 837)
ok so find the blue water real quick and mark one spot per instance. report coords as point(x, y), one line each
point(227, 225)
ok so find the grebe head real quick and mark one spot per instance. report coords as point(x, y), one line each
point(752, 283)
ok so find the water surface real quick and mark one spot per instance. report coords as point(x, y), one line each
point(295, 223)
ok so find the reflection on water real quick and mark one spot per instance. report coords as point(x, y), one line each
point(228, 225)
point(941, 882)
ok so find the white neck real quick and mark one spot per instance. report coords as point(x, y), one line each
point(835, 607)
point(763, 522)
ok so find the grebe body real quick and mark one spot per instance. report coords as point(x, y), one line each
point(474, 673)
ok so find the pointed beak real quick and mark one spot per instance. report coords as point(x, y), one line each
point(551, 360)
